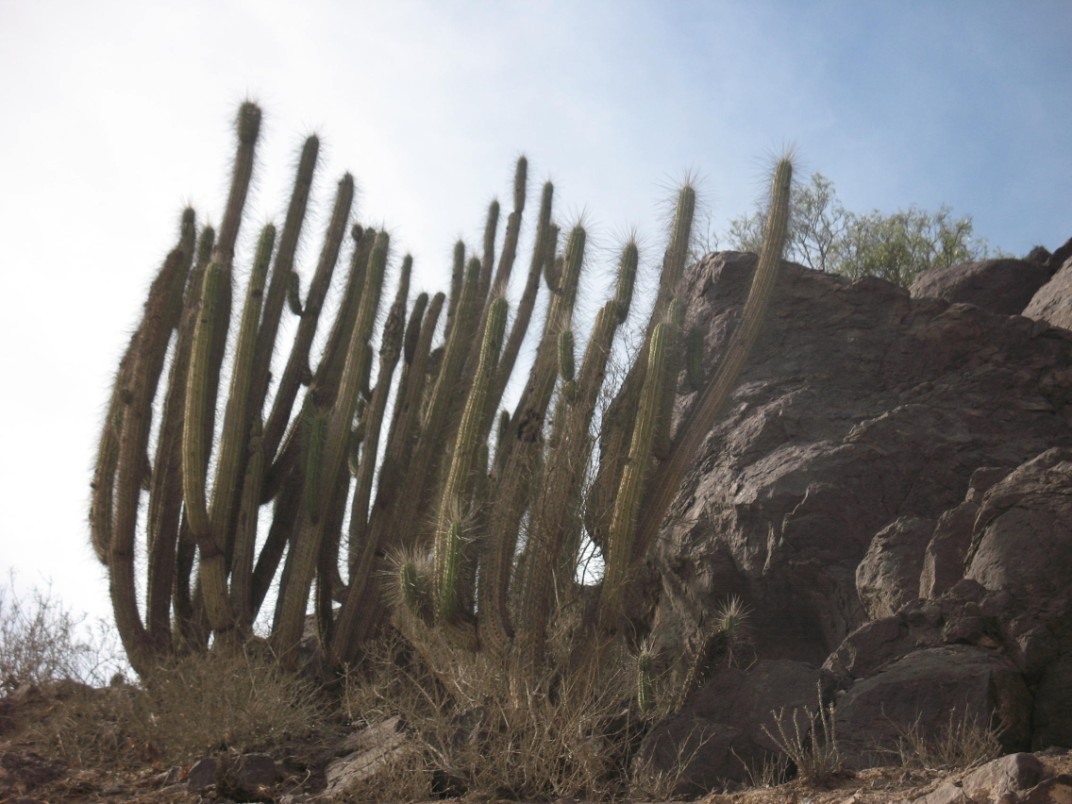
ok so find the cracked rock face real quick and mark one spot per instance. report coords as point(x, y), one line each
point(862, 409)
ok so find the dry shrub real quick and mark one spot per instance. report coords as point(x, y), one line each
point(223, 700)
point(242, 700)
point(964, 741)
point(809, 740)
point(41, 641)
point(482, 727)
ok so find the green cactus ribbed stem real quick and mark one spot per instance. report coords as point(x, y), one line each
point(675, 317)
point(298, 361)
point(307, 546)
point(519, 455)
point(165, 492)
point(282, 271)
point(554, 529)
point(194, 441)
point(413, 328)
point(233, 448)
point(546, 241)
point(619, 557)
point(438, 429)
point(487, 263)
point(565, 355)
point(627, 271)
point(616, 432)
point(457, 285)
point(246, 532)
point(457, 491)
point(693, 430)
point(249, 126)
point(316, 430)
point(362, 609)
point(390, 352)
point(234, 439)
point(513, 230)
point(145, 360)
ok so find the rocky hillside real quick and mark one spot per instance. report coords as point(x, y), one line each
point(890, 494)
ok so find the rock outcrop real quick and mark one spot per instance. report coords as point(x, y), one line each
point(890, 493)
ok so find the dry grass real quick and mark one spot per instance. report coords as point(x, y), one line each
point(964, 741)
point(478, 727)
point(809, 740)
point(201, 704)
point(41, 642)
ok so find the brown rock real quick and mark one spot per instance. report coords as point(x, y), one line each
point(1052, 722)
point(1003, 286)
point(922, 690)
point(722, 729)
point(860, 406)
point(1004, 776)
point(888, 575)
point(1055, 790)
point(1052, 302)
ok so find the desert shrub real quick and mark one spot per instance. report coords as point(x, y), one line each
point(199, 704)
point(808, 738)
point(493, 732)
point(965, 740)
point(241, 700)
point(42, 641)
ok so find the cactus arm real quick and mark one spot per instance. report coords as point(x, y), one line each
point(306, 547)
point(546, 241)
point(233, 447)
point(282, 271)
point(390, 352)
point(456, 496)
point(298, 361)
point(197, 425)
point(555, 526)
point(619, 554)
point(692, 432)
point(147, 355)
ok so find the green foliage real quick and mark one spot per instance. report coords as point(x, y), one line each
point(898, 247)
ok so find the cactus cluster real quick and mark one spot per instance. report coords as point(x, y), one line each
point(345, 470)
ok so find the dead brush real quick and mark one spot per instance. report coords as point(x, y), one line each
point(966, 740)
point(485, 728)
point(809, 740)
point(202, 703)
point(240, 700)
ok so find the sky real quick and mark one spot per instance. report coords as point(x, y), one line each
point(116, 115)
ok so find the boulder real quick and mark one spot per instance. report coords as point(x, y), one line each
point(859, 407)
point(888, 575)
point(1052, 721)
point(1003, 286)
point(721, 734)
point(926, 691)
point(1052, 302)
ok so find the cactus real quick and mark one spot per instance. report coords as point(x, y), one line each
point(440, 476)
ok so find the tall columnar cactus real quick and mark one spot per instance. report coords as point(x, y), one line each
point(415, 458)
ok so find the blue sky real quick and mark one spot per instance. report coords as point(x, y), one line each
point(119, 113)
